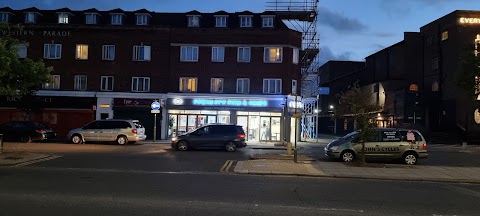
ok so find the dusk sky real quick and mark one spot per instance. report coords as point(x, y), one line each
point(349, 29)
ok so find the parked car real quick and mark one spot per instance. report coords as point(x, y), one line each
point(26, 131)
point(388, 143)
point(120, 131)
point(226, 136)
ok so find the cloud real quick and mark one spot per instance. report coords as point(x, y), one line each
point(384, 34)
point(339, 22)
point(326, 55)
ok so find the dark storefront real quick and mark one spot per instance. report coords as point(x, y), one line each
point(138, 109)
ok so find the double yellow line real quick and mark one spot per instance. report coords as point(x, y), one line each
point(226, 166)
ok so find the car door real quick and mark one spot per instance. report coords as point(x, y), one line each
point(90, 132)
point(200, 138)
point(218, 136)
point(371, 145)
point(391, 144)
point(105, 130)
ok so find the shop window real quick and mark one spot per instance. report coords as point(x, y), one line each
point(413, 87)
point(477, 116)
point(82, 52)
point(435, 86)
point(444, 35)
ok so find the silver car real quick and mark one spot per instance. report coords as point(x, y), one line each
point(389, 143)
point(120, 131)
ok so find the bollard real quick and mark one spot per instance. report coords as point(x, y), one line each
point(295, 155)
point(289, 148)
point(1, 143)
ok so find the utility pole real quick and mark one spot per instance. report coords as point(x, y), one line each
point(296, 129)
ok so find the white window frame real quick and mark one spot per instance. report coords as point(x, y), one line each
point(218, 54)
point(22, 50)
point(242, 55)
point(296, 56)
point(268, 21)
point(108, 84)
point(63, 18)
point(47, 51)
point(53, 84)
point(107, 54)
point(141, 19)
point(30, 17)
point(193, 20)
point(241, 86)
point(137, 50)
point(246, 21)
point(77, 85)
point(91, 18)
point(185, 81)
point(294, 87)
point(221, 21)
point(118, 21)
point(266, 55)
point(267, 88)
point(79, 50)
point(145, 80)
point(185, 56)
point(4, 17)
point(213, 85)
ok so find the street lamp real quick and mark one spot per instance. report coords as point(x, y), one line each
point(331, 107)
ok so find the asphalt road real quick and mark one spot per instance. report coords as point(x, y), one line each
point(75, 191)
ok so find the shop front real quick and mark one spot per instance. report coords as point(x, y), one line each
point(260, 116)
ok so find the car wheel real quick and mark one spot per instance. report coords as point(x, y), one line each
point(25, 139)
point(347, 156)
point(122, 140)
point(76, 139)
point(410, 158)
point(230, 147)
point(182, 146)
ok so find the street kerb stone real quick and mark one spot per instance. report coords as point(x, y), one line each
point(279, 167)
point(17, 158)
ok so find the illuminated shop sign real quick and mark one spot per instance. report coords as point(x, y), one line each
point(466, 20)
point(230, 102)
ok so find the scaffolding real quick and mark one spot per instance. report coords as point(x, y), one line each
point(301, 15)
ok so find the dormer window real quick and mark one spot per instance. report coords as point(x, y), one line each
point(116, 19)
point(4, 17)
point(267, 21)
point(63, 18)
point(245, 21)
point(193, 21)
point(221, 21)
point(142, 19)
point(91, 18)
point(30, 17)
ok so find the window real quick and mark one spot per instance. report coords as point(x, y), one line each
point(189, 54)
point(435, 63)
point(429, 41)
point(30, 17)
point(116, 19)
point(141, 53)
point(193, 21)
point(52, 51)
point(221, 21)
point(142, 19)
point(243, 54)
point(188, 84)
point(267, 21)
point(272, 86)
point(63, 18)
point(296, 56)
point(80, 82)
point(108, 52)
point(435, 86)
point(218, 54)
point(444, 35)
point(91, 18)
point(413, 87)
point(294, 86)
point(107, 83)
point(216, 85)
point(4, 17)
point(82, 52)
point(243, 86)
point(477, 116)
point(390, 136)
point(273, 55)
point(140, 84)
point(245, 21)
point(54, 82)
point(21, 50)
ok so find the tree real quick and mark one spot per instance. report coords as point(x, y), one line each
point(20, 78)
point(356, 104)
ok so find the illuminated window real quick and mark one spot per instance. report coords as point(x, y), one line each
point(63, 18)
point(188, 84)
point(54, 82)
point(413, 87)
point(273, 55)
point(477, 116)
point(477, 45)
point(216, 85)
point(82, 52)
point(444, 35)
point(296, 56)
point(435, 86)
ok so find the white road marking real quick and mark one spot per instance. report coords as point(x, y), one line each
point(36, 161)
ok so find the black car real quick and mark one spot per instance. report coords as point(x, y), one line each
point(26, 131)
point(226, 136)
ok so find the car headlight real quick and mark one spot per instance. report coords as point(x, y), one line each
point(174, 139)
point(333, 148)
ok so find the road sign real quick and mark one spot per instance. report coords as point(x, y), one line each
point(323, 90)
point(155, 105)
point(155, 111)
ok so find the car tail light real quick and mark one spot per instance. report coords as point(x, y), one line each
point(135, 131)
point(424, 146)
point(40, 131)
point(241, 136)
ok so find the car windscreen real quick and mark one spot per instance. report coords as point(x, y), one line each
point(350, 136)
